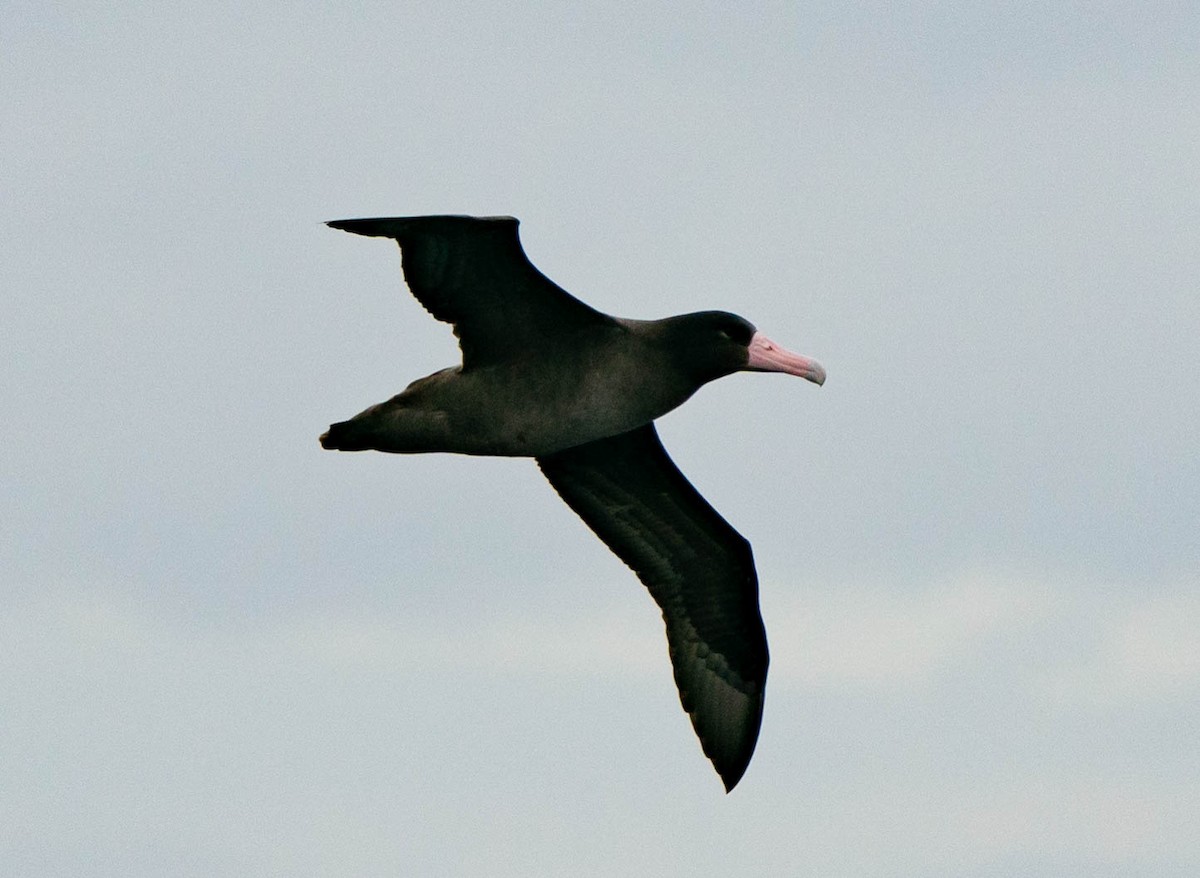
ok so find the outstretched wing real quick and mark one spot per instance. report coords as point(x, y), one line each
point(699, 570)
point(472, 272)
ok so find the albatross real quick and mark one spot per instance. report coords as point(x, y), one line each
point(544, 375)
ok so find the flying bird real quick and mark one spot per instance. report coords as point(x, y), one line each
point(545, 376)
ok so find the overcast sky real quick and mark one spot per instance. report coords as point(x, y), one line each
point(225, 652)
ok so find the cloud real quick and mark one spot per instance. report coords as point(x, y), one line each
point(1143, 648)
point(172, 722)
point(1091, 641)
point(1104, 818)
point(893, 635)
point(613, 643)
point(1158, 645)
point(1111, 643)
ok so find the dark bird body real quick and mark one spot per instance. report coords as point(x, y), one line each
point(546, 376)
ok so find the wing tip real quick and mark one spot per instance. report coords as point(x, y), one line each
point(377, 227)
point(733, 758)
point(394, 226)
point(732, 775)
point(727, 719)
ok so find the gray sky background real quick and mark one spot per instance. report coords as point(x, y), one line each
point(225, 652)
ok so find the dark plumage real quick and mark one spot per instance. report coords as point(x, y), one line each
point(546, 376)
